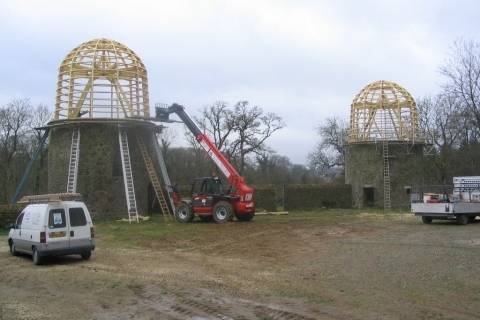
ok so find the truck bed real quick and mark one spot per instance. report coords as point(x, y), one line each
point(445, 208)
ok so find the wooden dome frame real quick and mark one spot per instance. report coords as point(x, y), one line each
point(101, 78)
point(383, 110)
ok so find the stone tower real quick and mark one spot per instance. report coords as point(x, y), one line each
point(385, 149)
point(102, 106)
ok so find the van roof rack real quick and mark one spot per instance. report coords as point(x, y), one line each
point(50, 197)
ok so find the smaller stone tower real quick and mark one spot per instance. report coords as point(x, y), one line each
point(385, 149)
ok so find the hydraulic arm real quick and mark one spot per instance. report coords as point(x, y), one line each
point(238, 186)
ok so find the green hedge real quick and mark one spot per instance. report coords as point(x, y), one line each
point(314, 196)
point(8, 214)
point(265, 198)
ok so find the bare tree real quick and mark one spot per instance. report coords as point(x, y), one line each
point(15, 120)
point(252, 128)
point(185, 164)
point(240, 132)
point(189, 162)
point(217, 123)
point(443, 121)
point(272, 168)
point(328, 152)
point(40, 116)
point(462, 68)
point(166, 138)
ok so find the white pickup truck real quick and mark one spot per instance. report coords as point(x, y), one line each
point(460, 202)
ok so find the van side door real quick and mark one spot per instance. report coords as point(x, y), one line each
point(79, 226)
point(16, 234)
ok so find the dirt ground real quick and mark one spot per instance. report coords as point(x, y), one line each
point(362, 267)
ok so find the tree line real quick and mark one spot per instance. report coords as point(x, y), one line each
point(18, 142)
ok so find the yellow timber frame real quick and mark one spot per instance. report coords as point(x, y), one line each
point(101, 78)
point(383, 111)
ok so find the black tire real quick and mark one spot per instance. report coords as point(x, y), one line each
point(462, 219)
point(86, 255)
point(37, 260)
point(208, 218)
point(184, 213)
point(427, 220)
point(471, 218)
point(13, 251)
point(244, 217)
point(223, 212)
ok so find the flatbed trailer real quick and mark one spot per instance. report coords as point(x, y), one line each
point(460, 202)
point(463, 212)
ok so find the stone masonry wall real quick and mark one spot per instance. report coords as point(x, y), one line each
point(100, 174)
point(364, 165)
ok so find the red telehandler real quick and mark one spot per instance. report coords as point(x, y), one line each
point(208, 199)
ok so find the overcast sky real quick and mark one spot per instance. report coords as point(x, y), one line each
point(303, 60)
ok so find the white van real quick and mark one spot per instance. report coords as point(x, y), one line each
point(52, 228)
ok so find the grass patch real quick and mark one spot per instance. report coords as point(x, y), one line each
point(132, 234)
point(126, 234)
point(337, 215)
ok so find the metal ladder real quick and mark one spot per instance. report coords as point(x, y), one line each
point(127, 174)
point(153, 178)
point(386, 178)
point(73, 166)
point(163, 168)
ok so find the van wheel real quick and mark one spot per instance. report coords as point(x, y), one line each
point(86, 255)
point(13, 251)
point(37, 260)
